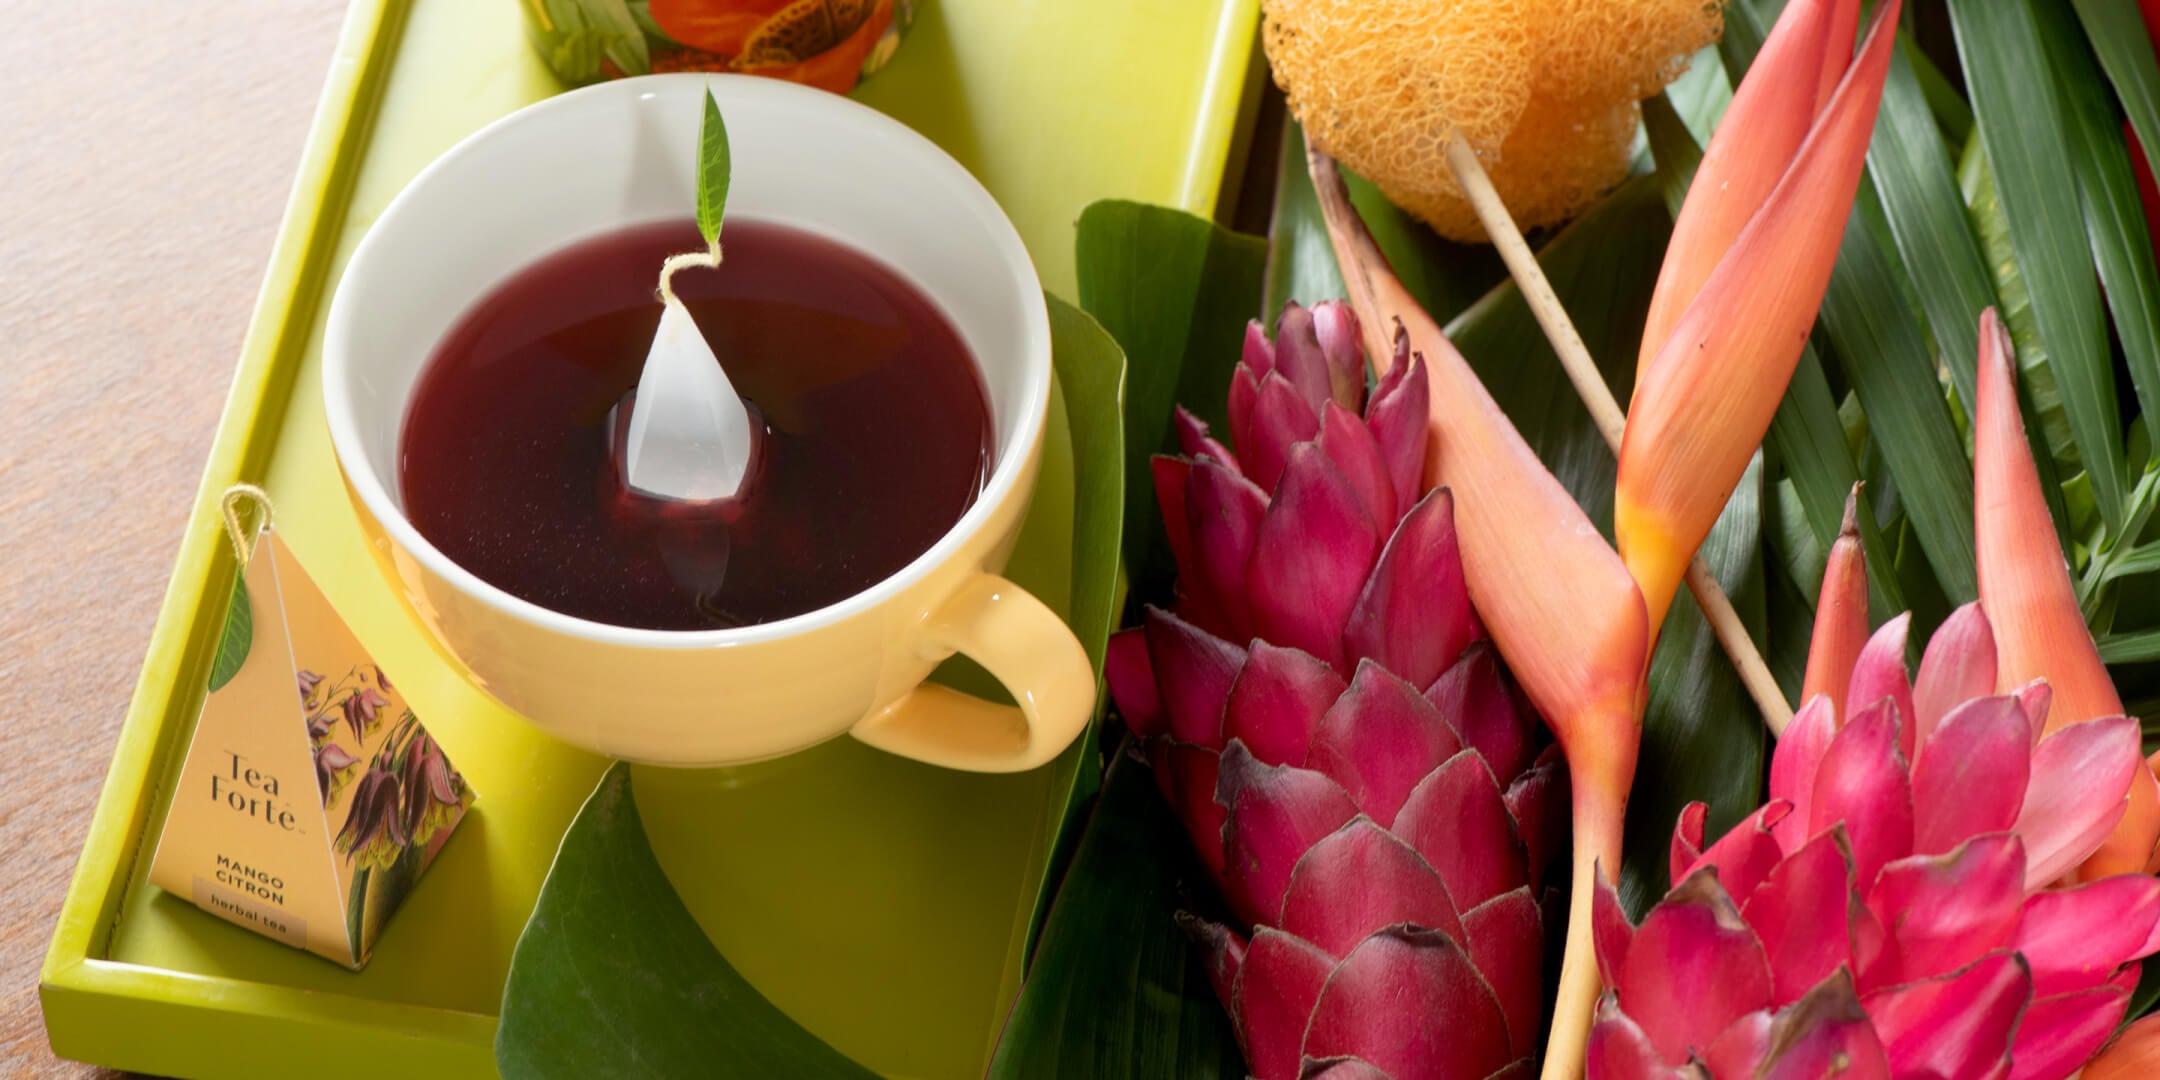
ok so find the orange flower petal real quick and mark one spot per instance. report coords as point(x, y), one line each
point(2025, 588)
point(1841, 615)
point(2024, 579)
point(1702, 406)
point(1837, 49)
point(2135, 1054)
point(1752, 149)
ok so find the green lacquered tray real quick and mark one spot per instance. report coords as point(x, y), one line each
point(882, 903)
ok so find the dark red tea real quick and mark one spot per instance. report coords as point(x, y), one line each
point(879, 431)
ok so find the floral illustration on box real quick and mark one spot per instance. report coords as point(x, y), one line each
point(829, 44)
point(358, 699)
point(409, 795)
point(403, 805)
point(410, 792)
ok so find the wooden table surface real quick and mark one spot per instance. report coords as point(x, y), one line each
point(146, 150)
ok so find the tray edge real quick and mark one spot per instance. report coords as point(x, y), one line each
point(73, 972)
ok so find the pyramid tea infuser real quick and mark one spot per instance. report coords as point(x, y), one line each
point(295, 697)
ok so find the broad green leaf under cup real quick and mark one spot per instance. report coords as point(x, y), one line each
point(613, 977)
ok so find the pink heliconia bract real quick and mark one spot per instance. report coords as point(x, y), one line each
point(1370, 791)
point(1898, 904)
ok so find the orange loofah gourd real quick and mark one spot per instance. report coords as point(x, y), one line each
point(1546, 91)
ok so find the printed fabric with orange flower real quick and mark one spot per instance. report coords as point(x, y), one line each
point(821, 43)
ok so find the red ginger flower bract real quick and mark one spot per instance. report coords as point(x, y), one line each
point(1361, 778)
point(1891, 905)
point(1911, 896)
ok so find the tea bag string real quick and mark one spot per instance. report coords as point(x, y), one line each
point(709, 259)
point(239, 498)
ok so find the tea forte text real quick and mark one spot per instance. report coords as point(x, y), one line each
point(252, 792)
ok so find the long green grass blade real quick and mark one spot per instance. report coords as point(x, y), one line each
point(2130, 648)
point(1918, 185)
point(2142, 560)
point(1992, 228)
point(1809, 441)
point(1117, 989)
point(1952, 114)
point(2114, 219)
point(2021, 127)
point(2047, 431)
point(1673, 147)
point(2117, 33)
point(1885, 359)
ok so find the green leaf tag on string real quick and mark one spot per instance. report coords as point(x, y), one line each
point(689, 435)
point(713, 168)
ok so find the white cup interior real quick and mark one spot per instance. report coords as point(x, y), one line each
point(624, 153)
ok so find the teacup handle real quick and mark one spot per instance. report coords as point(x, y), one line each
point(1024, 645)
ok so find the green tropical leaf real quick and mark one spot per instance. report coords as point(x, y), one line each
point(2054, 452)
point(2117, 32)
point(1118, 991)
point(2131, 563)
point(1446, 277)
point(1091, 379)
point(2114, 220)
point(1177, 291)
point(713, 172)
point(2129, 648)
point(1953, 116)
point(2148, 989)
point(2021, 127)
point(1166, 285)
point(1808, 439)
point(1886, 362)
point(613, 977)
point(237, 637)
point(1917, 183)
point(1701, 94)
point(1675, 150)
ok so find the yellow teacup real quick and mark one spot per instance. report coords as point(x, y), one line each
point(623, 153)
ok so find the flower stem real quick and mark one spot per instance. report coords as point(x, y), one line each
point(1590, 386)
point(1598, 818)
